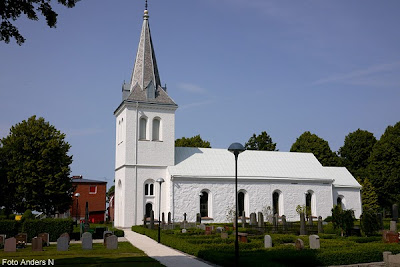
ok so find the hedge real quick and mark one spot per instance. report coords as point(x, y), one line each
point(8, 227)
point(55, 227)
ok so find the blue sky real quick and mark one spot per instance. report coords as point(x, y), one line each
point(234, 67)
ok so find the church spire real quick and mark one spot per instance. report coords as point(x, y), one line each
point(145, 71)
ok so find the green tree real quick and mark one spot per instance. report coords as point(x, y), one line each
point(308, 142)
point(355, 152)
point(110, 193)
point(384, 166)
point(37, 167)
point(369, 222)
point(194, 141)
point(369, 196)
point(11, 10)
point(343, 219)
point(261, 142)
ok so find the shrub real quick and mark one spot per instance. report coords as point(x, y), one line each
point(118, 232)
point(8, 227)
point(55, 227)
point(370, 222)
point(28, 215)
point(343, 219)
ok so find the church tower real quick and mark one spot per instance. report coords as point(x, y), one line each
point(145, 136)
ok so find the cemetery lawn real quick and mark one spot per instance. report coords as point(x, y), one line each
point(335, 250)
point(126, 255)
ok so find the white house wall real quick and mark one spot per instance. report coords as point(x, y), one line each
point(185, 194)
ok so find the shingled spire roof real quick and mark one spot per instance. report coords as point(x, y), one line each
point(145, 84)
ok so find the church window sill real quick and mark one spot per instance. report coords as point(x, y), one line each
point(144, 140)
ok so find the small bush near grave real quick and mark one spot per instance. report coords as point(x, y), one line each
point(118, 232)
point(370, 222)
point(8, 227)
point(55, 227)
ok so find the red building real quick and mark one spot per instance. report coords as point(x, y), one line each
point(93, 192)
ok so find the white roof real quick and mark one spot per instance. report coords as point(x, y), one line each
point(342, 177)
point(193, 162)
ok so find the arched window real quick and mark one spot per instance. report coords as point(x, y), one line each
point(204, 204)
point(149, 208)
point(308, 203)
point(241, 203)
point(156, 129)
point(277, 203)
point(143, 129)
point(149, 189)
point(340, 202)
point(311, 206)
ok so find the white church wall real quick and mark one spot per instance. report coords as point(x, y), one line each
point(124, 200)
point(351, 198)
point(186, 197)
point(120, 139)
point(158, 153)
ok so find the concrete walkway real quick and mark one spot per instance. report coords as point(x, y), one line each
point(165, 255)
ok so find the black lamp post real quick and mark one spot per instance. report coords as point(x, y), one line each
point(77, 195)
point(160, 181)
point(236, 149)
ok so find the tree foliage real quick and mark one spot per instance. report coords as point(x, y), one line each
point(11, 10)
point(384, 166)
point(369, 222)
point(343, 219)
point(355, 152)
point(194, 141)
point(369, 196)
point(110, 193)
point(37, 167)
point(308, 142)
point(261, 142)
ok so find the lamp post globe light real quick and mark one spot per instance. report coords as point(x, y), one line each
point(236, 149)
point(77, 195)
point(160, 181)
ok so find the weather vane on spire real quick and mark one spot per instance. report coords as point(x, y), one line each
point(145, 6)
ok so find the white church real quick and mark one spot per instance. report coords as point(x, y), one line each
point(202, 180)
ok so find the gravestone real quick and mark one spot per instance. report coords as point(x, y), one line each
point(393, 226)
point(244, 219)
point(314, 242)
point(253, 219)
point(87, 241)
point(169, 217)
point(320, 227)
point(66, 235)
point(208, 230)
point(390, 237)
point(10, 245)
point(184, 217)
point(224, 235)
point(45, 239)
point(276, 220)
point(243, 237)
point(198, 218)
point(2, 240)
point(267, 241)
point(395, 212)
point(112, 242)
point(105, 235)
point(152, 219)
point(302, 225)
point(62, 243)
point(284, 224)
point(144, 220)
point(22, 239)
point(299, 244)
point(163, 218)
point(202, 226)
point(37, 244)
point(310, 220)
point(184, 231)
point(220, 229)
point(260, 219)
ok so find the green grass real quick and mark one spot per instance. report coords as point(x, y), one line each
point(125, 255)
point(335, 250)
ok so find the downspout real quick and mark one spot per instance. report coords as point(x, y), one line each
point(136, 160)
point(173, 199)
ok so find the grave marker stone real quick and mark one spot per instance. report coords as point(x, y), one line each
point(390, 237)
point(395, 212)
point(260, 219)
point(242, 237)
point(169, 217)
point(184, 217)
point(393, 226)
point(22, 239)
point(184, 231)
point(320, 227)
point(37, 244)
point(144, 220)
point(45, 239)
point(302, 225)
point(163, 218)
point(253, 219)
point(10, 245)
point(314, 242)
point(112, 242)
point(267, 241)
point(105, 235)
point(66, 235)
point(220, 229)
point(208, 230)
point(62, 243)
point(276, 220)
point(243, 220)
point(284, 224)
point(299, 244)
point(198, 218)
point(310, 220)
point(87, 241)
point(151, 219)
